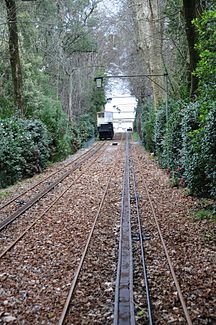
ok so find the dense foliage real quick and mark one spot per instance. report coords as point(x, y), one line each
point(27, 146)
point(21, 155)
point(194, 160)
point(55, 43)
point(185, 143)
point(148, 120)
point(24, 149)
point(59, 49)
point(206, 69)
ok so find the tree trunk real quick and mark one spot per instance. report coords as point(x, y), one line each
point(14, 55)
point(149, 34)
point(189, 7)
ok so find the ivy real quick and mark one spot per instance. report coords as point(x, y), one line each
point(206, 68)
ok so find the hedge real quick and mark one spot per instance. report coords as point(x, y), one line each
point(27, 146)
point(24, 149)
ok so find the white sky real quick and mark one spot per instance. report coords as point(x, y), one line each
point(117, 88)
point(121, 99)
point(110, 7)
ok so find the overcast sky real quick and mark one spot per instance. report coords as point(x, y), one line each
point(110, 7)
point(116, 87)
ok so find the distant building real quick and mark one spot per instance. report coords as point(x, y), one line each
point(123, 112)
point(123, 121)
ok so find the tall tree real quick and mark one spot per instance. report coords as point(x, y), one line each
point(149, 29)
point(14, 55)
point(190, 12)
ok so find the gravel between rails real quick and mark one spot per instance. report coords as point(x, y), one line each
point(36, 273)
point(192, 257)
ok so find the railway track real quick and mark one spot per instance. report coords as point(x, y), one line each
point(131, 252)
point(90, 236)
point(65, 171)
point(139, 237)
point(91, 281)
point(131, 233)
point(165, 249)
point(124, 304)
point(48, 262)
point(95, 154)
point(44, 180)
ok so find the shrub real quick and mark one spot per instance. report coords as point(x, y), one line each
point(209, 149)
point(66, 137)
point(24, 149)
point(27, 145)
point(159, 132)
point(171, 156)
point(186, 143)
point(148, 121)
point(76, 140)
point(206, 68)
point(86, 127)
point(51, 114)
point(199, 147)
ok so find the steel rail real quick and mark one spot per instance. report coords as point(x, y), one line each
point(124, 305)
point(142, 248)
point(76, 276)
point(46, 210)
point(45, 179)
point(181, 298)
point(40, 195)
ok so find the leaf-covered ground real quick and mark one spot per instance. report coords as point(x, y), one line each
point(35, 276)
point(190, 242)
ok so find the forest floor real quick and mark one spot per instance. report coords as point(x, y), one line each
point(33, 292)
